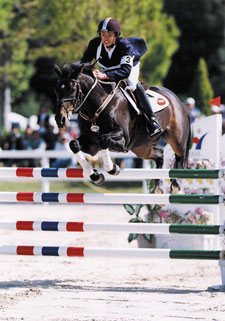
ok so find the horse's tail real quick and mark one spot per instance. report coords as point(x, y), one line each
point(188, 145)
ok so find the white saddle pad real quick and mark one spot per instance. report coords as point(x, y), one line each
point(158, 101)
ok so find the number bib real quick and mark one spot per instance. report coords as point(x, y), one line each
point(127, 60)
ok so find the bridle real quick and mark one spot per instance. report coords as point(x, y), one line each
point(76, 100)
point(79, 99)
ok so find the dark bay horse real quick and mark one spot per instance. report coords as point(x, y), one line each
point(108, 123)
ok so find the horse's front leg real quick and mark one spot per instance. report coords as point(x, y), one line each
point(113, 140)
point(97, 178)
point(109, 166)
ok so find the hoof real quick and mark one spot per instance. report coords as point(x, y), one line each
point(158, 190)
point(175, 188)
point(115, 170)
point(97, 178)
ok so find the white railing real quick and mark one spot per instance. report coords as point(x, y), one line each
point(46, 155)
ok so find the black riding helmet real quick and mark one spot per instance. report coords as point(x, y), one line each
point(109, 25)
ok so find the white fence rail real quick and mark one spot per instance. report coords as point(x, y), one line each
point(46, 155)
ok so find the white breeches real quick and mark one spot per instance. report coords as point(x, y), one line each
point(132, 80)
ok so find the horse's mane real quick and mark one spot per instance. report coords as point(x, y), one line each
point(88, 68)
point(73, 69)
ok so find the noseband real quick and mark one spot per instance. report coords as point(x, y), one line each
point(79, 99)
point(76, 100)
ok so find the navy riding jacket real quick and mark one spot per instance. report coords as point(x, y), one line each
point(126, 54)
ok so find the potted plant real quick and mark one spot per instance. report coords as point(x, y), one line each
point(162, 214)
point(166, 214)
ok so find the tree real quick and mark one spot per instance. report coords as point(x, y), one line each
point(67, 27)
point(144, 18)
point(202, 26)
point(41, 33)
point(14, 70)
point(202, 89)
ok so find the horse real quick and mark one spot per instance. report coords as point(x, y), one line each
point(107, 122)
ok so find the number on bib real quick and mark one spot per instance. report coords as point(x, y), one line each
point(127, 60)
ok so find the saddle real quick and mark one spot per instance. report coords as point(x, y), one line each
point(157, 101)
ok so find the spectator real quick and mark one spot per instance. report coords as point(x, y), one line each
point(66, 133)
point(37, 143)
point(62, 144)
point(193, 110)
point(13, 142)
point(27, 138)
point(27, 141)
point(50, 138)
point(72, 132)
point(43, 119)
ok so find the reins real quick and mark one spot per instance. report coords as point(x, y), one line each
point(92, 120)
point(78, 103)
point(85, 98)
point(75, 99)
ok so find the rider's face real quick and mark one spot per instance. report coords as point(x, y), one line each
point(108, 38)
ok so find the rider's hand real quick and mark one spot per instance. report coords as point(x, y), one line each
point(98, 74)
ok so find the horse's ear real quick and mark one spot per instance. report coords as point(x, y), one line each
point(58, 70)
point(80, 68)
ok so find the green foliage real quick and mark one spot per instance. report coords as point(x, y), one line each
point(61, 30)
point(161, 35)
point(135, 210)
point(67, 27)
point(202, 89)
point(14, 72)
point(201, 23)
point(137, 219)
point(29, 105)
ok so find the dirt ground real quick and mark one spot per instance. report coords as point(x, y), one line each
point(99, 289)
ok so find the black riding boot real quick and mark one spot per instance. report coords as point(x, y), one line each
point(153, 126)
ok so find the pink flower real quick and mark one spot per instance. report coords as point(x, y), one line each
point(164, 214)
point(193, 219)
point(199, 210)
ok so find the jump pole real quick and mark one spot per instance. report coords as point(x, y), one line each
point(135, 174)
point(110, 198)
point(140, 228)
point(111, 252)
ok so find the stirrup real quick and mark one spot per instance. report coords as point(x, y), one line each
point(153, 127)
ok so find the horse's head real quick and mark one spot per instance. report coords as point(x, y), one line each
point(68, 92)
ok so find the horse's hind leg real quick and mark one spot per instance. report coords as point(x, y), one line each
point(175, 186)
point(114, 140)
point(157, 155)
point(109, 166)
point(97, 178)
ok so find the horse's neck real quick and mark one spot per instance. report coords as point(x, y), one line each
point(97, 94)
point(86, 82)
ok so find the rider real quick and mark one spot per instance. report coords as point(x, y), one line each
point(120, 59)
